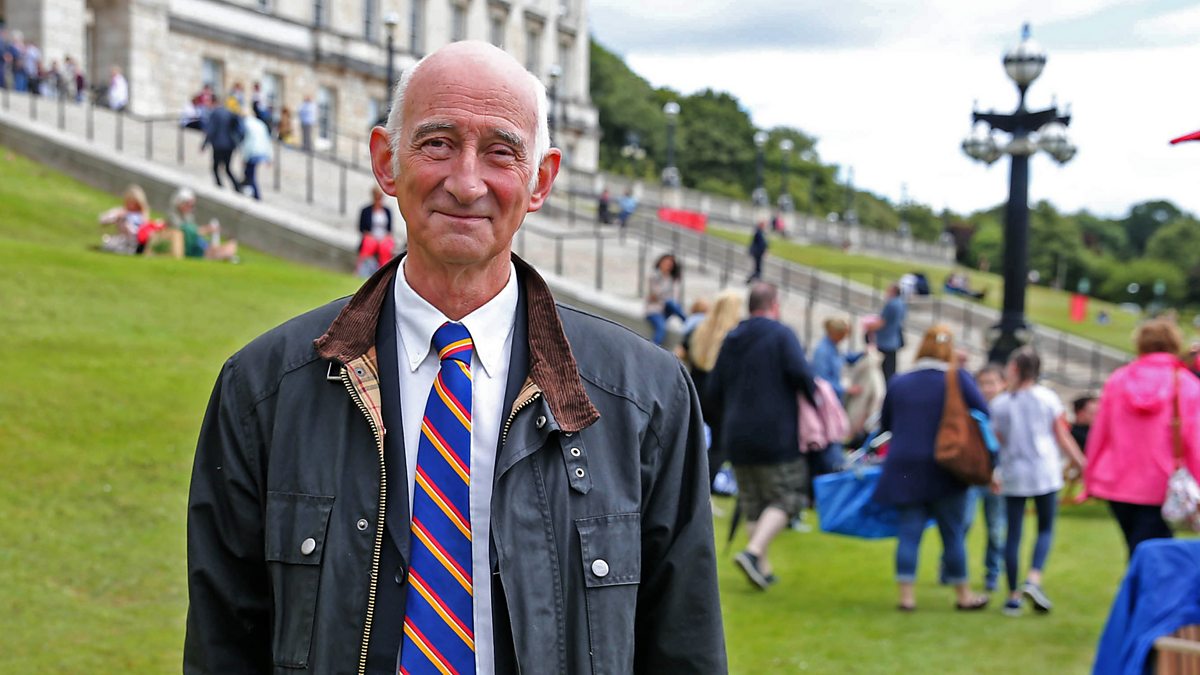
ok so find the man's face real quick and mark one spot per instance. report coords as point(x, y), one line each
point(463, 166)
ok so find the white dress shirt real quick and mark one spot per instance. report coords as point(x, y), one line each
point(491, 329)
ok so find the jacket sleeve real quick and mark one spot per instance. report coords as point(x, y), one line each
point(970, 391)
point(678, 627)
point(229, 596)
point(364, 220)
point(796, 367)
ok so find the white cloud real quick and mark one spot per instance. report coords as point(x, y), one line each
point(1184, 23)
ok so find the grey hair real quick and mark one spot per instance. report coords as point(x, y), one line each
point(541, 144)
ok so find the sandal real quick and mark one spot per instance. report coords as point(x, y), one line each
point(976, 603)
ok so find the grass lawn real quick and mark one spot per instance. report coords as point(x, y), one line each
point(1045, 306)
point(107, 368)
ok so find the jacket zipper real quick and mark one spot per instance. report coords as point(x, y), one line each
point(513, 415)
point(366, 639)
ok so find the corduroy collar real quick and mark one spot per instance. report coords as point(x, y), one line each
point(552, 365)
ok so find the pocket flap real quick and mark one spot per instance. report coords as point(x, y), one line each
point(612, 549)
point(295, 527)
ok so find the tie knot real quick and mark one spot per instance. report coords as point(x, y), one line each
point(452, 341)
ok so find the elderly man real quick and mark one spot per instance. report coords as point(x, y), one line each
point(449, 473)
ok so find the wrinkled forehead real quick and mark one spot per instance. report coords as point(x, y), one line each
point(461, 90)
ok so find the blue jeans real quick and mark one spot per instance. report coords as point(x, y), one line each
point(1046, 506)
point(658, 321)
point(994, 518)
point(949, 512)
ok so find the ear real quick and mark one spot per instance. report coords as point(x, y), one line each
point(383, 163)
point(547, 172)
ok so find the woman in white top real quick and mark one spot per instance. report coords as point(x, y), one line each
point(1032, 425)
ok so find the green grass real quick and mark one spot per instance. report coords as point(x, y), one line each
point(107, 366)
point(1044, 306)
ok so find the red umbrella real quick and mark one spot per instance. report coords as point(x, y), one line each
point(1195, 136)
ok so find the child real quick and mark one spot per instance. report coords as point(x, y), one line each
point(1032, 427)
point(1085, 411)
point(990, 379)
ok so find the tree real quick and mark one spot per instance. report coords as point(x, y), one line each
point(1178, 243)
point(1054, 241)
point(1145, 274)
point(1144, 220)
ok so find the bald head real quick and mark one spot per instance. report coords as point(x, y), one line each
point(477, 61)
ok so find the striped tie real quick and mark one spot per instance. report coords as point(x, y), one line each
point(439, 617)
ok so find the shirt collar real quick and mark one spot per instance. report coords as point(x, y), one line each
point(489, 325)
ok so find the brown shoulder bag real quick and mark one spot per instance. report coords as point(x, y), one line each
point(959, 446)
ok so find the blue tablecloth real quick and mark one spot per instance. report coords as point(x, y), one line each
point(1160, 594)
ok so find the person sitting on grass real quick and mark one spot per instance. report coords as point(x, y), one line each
point(128, 219)
point(199, 242)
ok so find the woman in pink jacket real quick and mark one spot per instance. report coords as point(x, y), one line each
point(1130, 450)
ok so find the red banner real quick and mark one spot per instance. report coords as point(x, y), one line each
point(693, 220)
point(1079, 303)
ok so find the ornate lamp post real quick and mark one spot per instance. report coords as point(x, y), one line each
point(390, 20)
point(670, 175)
point(785, 200)
point(1029, 131)
point(759, 196)
point(555, 74)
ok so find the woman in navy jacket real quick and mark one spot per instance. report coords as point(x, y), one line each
point(912, 480)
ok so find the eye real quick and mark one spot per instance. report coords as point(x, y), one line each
point(436, 147)
point(502, 153)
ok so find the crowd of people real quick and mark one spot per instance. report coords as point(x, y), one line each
point(753, 375)
point(133, 231)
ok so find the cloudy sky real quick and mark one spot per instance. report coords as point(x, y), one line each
point(887, 86)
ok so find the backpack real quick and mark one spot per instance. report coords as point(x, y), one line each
point(824, 424)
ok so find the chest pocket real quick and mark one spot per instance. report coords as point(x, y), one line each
point(296, 529)
point(611, 553)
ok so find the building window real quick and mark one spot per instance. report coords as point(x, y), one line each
point(458, 22)
point(370, 15)
point(416, 38)
point(264, 5)
point(319, 10)
point(375, 112)
point(533, 48)
point(272, 93)
point(212, 73)
point(326, 113)
point(496, 28)
point(564, 63)
point(564, 8)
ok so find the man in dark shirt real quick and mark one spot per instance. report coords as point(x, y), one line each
point(752, 392)
point(1085, 412)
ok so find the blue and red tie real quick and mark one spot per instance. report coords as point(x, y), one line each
point(439, 635)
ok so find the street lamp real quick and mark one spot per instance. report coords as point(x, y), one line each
point(785, 199)
point(759, 196)
point(391, 19)
point(555, 73)
point(1029, 131)
point(670, 175)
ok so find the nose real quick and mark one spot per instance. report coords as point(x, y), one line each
point(465, 183)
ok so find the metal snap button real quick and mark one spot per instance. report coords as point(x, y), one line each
point(362, 523)
point(600, 567)
point(541, 421)
point(579, 473)
point(400, 574)
point(308, 546)
point(568, 434)
point(575, 452)
point(358, 372)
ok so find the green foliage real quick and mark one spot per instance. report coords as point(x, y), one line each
point(1053, 242)
point(1102, 235)
point(1144, 220)
point(987, 244)
point(715, 141)
point(1178, 243)
point(1145, 273)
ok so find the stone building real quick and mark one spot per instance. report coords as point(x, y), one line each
point(333, 50)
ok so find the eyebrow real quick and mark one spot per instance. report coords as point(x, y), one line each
point(431, 127)
point(509, 137)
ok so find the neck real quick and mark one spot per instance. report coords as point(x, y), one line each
point(456, 290)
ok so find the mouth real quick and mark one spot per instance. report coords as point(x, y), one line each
point(463, 218)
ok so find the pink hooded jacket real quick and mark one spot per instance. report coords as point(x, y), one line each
point(1130, 446)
